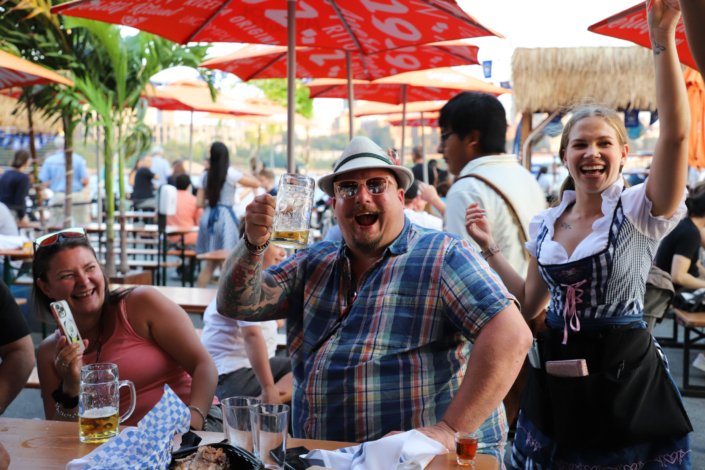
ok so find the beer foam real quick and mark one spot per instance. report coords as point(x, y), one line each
point(104, 412)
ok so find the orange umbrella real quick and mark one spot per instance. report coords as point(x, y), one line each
point(696, 99)
point(422, 85)
point(373, 108)
point(195, 96)
point(15, 71)
point(631, 25)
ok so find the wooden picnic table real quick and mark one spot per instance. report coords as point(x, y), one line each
point(217, 255)
point(191, 299)
point(690, 322)
point(13, 255)
point(50, 445)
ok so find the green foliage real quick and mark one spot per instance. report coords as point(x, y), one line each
point(331, 142)
point(382, 136)
point(276, 89)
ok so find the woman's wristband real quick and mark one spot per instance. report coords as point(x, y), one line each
point(198, 410)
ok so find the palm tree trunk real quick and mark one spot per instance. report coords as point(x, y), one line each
point(35, 167)
point(124, 265)
point(110, 196)
point(68, 157)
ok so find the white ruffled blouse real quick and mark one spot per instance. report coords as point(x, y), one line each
point(636, 206)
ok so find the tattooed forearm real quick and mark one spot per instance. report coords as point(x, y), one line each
point(658, 48)
point(246, 292)
point(566, 226)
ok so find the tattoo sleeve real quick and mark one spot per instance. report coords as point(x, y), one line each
point(246, 292)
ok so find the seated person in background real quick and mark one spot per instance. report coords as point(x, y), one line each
point(142, 185)
point(8, 226)
point(15, 183)
point(188, 214)
point(380, 325)
point(267, 179)
point(16, 349)
point(679, 254)
point(244, 351)
point(414, 209)
point(176, 169)
point(148, 336)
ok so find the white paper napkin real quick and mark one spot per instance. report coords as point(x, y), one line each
point(148, 446)
point(411, 450)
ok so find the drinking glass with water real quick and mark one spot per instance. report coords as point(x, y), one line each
point(99, 402)
point(292, 217)
point(237, 423)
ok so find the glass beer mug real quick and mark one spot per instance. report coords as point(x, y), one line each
point(293, 213)
point(99, 402)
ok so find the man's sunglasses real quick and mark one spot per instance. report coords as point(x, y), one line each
point(376, 186)
point(50, 239)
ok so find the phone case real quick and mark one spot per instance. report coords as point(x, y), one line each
point(64, 318)
point(570, 368)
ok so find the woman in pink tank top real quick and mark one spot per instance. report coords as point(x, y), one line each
point(149, 337)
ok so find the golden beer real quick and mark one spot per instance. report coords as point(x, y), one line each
point(296, 240)
point(98, 424)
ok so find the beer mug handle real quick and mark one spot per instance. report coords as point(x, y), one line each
point(133, 401)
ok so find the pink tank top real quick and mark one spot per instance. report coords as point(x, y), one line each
point(143, 362)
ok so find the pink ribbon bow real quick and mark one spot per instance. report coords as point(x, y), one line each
point(569, 314)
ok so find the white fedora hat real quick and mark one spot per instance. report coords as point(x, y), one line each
point(363, 154)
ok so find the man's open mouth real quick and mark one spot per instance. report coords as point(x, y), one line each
point(367, 219)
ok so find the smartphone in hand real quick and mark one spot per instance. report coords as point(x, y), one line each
point(64, 318)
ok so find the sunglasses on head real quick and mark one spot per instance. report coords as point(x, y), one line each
point(375, 186)
point(50, 239)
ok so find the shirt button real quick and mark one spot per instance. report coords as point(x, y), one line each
point(318, 371)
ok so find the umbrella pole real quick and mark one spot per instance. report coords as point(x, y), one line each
point(291, 85)
point(351, 92)
point(98, 165)
point(271, 149)
point(423, 149)
point(403, 127)
point(190, 145)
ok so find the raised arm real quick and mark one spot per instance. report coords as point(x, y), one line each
point(245, 291)
point(694, 19)
point(668, 174)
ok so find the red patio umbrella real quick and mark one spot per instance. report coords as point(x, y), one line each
point(422, 85)
point(258, 61)
point(353, 25)
point(631, 25)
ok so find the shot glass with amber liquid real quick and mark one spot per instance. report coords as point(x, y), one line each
point(465, 448)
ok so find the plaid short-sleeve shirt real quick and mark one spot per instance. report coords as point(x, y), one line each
point(400, 353)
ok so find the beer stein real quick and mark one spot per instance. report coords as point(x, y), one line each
point(292, 216)
point(99, 402)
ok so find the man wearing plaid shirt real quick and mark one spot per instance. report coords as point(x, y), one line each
point(380, 325)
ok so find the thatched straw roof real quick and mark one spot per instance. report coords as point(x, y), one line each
point(620, 77)
point(19, 120)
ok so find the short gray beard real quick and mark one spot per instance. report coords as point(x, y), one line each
point(367, 246)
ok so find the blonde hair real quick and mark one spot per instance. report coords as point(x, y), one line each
point(587, 109)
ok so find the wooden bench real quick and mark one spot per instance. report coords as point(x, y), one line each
point(691, 321)
point(33, 381)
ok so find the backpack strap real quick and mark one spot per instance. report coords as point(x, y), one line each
point(522, 233)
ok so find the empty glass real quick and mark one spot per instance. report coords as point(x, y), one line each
point(237, 422)
point(292, 217)
point(269, 426)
